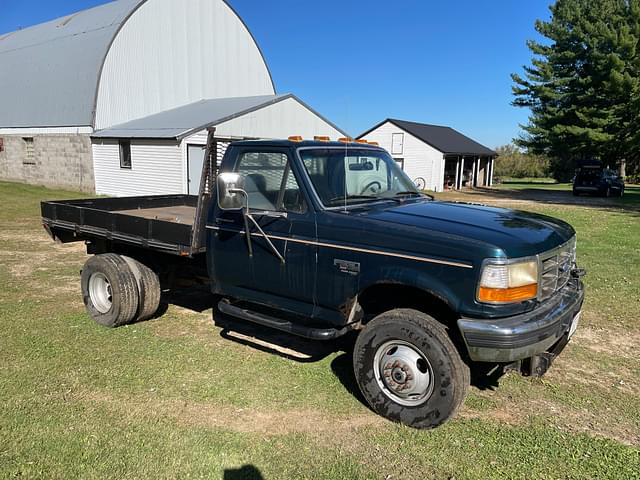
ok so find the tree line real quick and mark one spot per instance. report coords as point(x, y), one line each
point(583, 86)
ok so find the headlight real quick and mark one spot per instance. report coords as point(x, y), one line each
point(508, 282)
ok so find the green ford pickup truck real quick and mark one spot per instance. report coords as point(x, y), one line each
point(326, 240)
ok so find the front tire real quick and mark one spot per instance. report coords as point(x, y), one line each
point(408, 369)
point(109, 290)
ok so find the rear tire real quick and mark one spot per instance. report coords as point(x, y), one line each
point(109, 290)
point(149, 290)
point(408, 369)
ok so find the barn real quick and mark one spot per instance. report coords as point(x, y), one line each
point(435, 157)
point(117, 99)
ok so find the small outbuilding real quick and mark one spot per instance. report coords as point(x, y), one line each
point(435, 157)
point(164, 152)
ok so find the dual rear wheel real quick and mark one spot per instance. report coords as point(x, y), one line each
point(117, 290)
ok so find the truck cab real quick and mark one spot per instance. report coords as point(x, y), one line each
point(329, 239)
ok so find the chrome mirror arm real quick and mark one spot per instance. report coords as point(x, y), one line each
point(246, 213)
point(271, 245)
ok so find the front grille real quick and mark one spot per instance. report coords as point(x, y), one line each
point(555, 268)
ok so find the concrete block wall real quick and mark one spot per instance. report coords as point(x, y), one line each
point(59, 161)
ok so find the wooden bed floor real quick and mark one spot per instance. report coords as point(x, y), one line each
point(176, 214)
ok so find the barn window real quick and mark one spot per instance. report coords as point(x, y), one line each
point(125, 154)
point(29, 154)
point(397, 143)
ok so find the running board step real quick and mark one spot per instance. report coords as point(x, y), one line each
point(282, 325)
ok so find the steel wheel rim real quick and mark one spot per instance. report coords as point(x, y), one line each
point(403, 373)
point(100, 292)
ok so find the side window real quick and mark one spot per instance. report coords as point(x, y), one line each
point(269, 182)
point(125, 154)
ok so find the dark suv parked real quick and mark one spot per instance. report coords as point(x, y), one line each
point(596, 180)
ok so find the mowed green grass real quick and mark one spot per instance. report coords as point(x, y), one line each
point(171, 398)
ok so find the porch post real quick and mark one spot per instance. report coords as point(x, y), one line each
point(490, 168)
point(476, 170)
point(455, 183)
point(461, 171)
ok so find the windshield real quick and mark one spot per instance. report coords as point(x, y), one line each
point(342, 176)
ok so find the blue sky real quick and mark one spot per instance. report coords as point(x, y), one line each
point(360, 61)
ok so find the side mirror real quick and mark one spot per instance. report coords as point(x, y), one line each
point(230, 189)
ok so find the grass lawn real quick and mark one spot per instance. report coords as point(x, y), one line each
point(172, 398)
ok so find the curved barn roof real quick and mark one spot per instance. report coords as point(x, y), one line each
point(50, 73)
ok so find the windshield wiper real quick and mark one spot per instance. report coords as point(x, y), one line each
point(353, 197)
point(411, 192)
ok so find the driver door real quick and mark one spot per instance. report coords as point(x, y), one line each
point(278, 205)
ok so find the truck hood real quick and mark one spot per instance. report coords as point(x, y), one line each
point(514, 232)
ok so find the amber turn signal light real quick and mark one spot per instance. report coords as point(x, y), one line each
point(514, 294)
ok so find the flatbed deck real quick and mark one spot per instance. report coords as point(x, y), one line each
point(163, 223)
point(184, 214)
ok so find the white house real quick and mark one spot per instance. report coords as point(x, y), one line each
point(435, 157)
point(114, 99)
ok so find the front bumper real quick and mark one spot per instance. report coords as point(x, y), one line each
point(523, 336)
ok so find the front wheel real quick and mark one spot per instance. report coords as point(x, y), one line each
point(408, 369)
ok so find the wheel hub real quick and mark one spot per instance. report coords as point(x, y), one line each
point(100, 292)
point(403, 373)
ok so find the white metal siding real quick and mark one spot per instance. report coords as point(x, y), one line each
point(156, 168)
point(280, 120)
point(172, 53)
point(420, 159)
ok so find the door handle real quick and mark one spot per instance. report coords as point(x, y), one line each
point(270, 214)
point(224, 220)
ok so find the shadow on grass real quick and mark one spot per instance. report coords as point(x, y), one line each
point(198, 298)
point(515, 182)
point(246, 472)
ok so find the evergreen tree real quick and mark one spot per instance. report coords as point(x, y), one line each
point(581, 82)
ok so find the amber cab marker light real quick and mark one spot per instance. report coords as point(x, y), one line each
point(375, 144)
point(345, 140)
point(295, 138)
point(322, 138)
point(513, 294)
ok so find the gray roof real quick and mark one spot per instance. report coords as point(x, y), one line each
point(445, 139)
point(181, 122)
point(49, 73)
